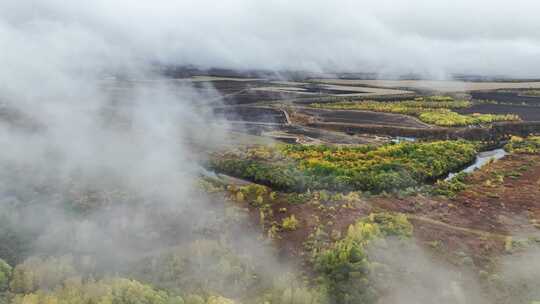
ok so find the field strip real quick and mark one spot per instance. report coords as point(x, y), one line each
point(436, 85)
point(480, 233)
point(389, 114)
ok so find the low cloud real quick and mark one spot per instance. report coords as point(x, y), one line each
point(387, 37)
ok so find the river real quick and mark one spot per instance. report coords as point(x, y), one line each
point(481, 159)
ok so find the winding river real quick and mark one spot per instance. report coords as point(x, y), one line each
point(481, 159)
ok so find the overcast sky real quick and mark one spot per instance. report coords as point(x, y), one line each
point(435, 38)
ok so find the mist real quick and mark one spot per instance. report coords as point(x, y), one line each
point(433, 39)
point(416, 277)
point(102, 156)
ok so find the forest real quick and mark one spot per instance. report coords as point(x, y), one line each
point(367, 168)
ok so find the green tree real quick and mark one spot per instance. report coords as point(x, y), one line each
point(37, 273)
point(132, 292)
point(5, 275)
point(194, 299)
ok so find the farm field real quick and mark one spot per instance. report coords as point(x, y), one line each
point(525, 113)
point(435, 110)
point(309, 89)
point(361, 117)
point(264, 115)
point(433, 85)
point(515, 97)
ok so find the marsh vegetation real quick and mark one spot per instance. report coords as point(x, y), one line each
point(436, 110)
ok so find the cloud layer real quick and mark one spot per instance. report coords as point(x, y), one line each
point(429, 37)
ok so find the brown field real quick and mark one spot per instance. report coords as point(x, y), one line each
point(363, 117)
point(252, 114)
point(507, 97)
point(308, 90)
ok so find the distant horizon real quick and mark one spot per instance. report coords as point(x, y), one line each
point(193, 70)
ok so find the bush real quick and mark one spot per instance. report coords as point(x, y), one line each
point(529, 145)
point(290, 223)
point(452, 187)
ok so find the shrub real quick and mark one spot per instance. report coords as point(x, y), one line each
point(290, 223)
point(529, 145)
point(451, 187)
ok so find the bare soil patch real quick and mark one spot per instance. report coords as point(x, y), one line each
point(363, 117)
point(252, 114)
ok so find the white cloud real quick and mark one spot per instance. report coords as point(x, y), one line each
point(490, 37)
